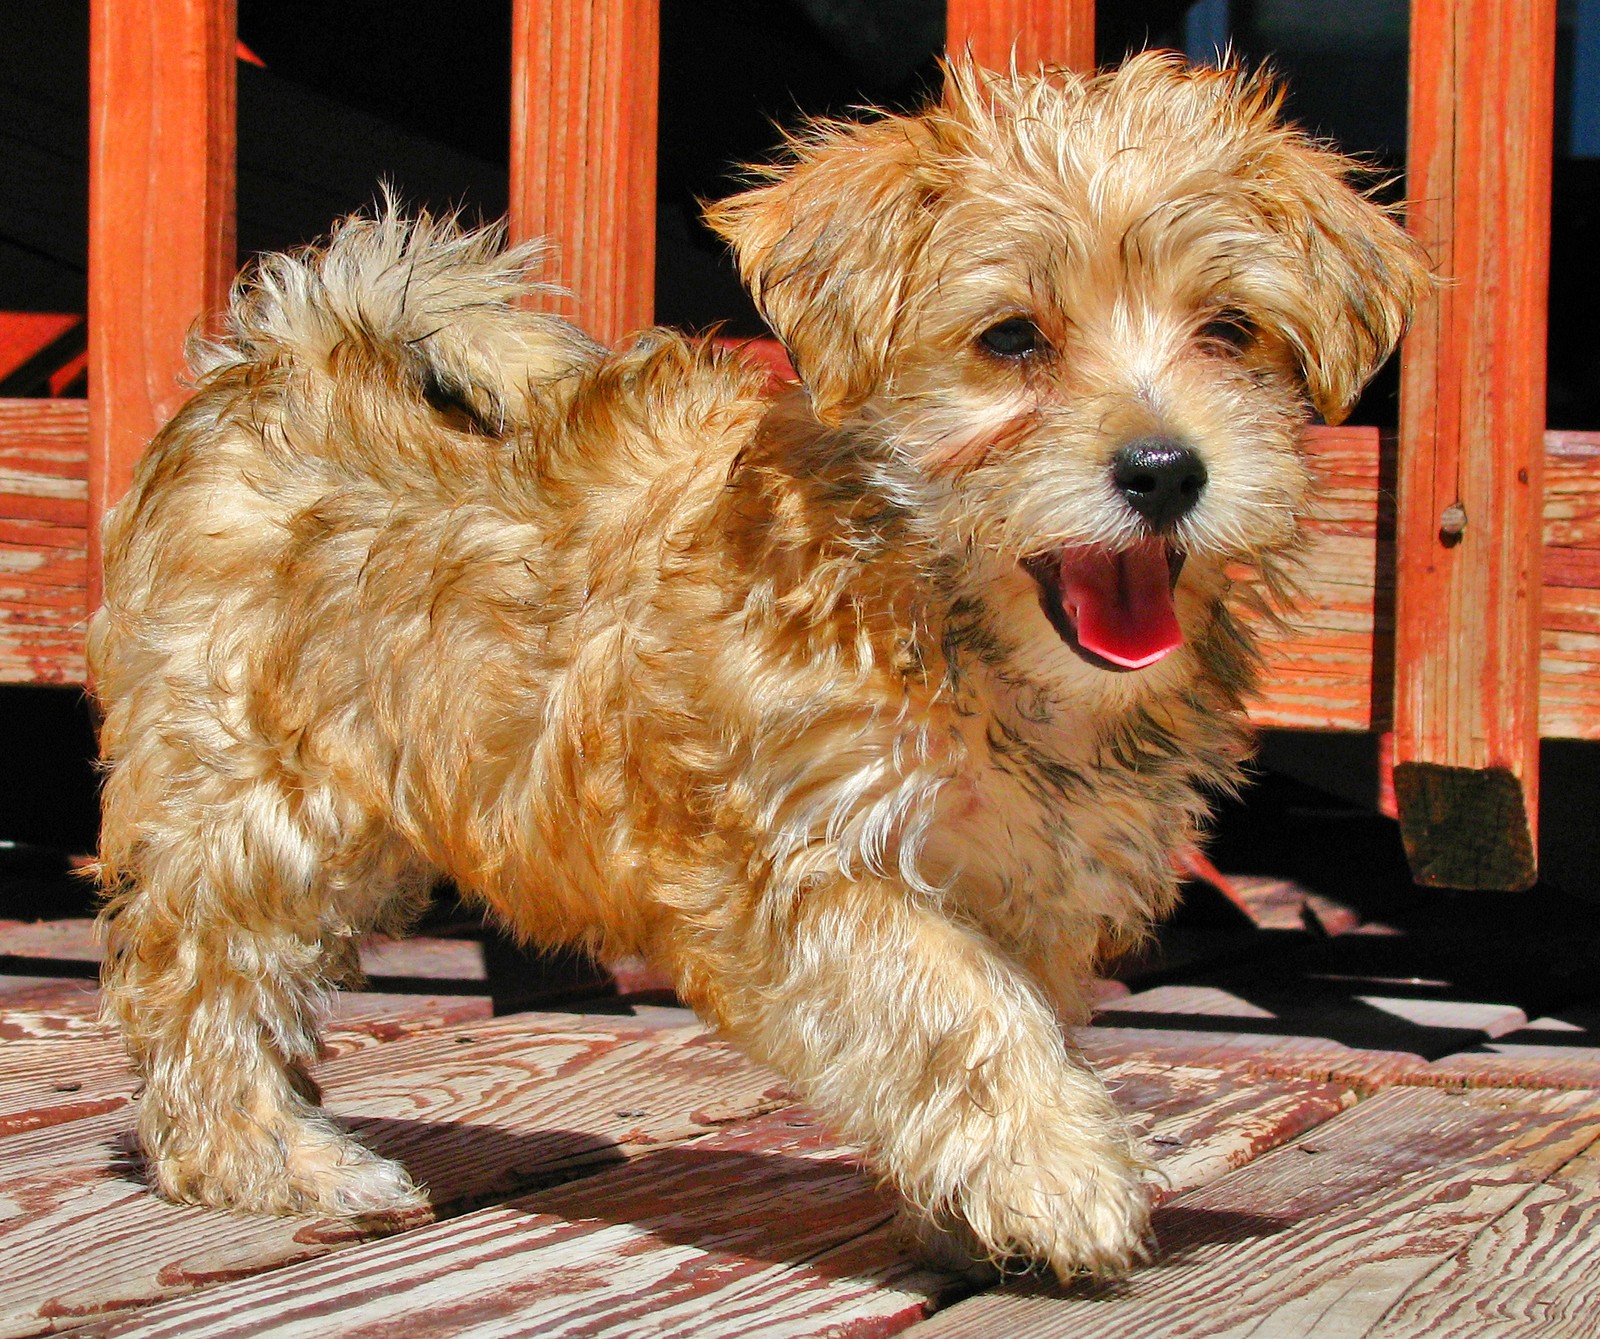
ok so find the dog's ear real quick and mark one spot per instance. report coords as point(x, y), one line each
point(1361, 274)
point(826, 248)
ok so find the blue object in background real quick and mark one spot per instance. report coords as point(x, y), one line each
point(1584, 139)
point(1206, 30)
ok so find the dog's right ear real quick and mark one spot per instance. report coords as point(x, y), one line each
point(827, 246)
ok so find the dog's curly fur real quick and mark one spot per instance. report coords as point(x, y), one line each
point(765, 687)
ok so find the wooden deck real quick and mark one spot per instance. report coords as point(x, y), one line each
point(1375, 1119)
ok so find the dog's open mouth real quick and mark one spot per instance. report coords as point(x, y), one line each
point(1114, 609)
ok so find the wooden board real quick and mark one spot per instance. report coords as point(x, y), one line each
point(35, 347)
point(1560, 1050)
point(583, 151)
point(1419, 1213)
point(1353, 1015)
point(1024, 33)
point(1472, 419)
point(770, 1228)
point(45, 1082)
point(1569, 679)
point(1334, 672)
point(161, 217)
point(44, 518)
point(476, 1115)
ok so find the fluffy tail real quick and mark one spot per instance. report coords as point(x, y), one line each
point(418, 299)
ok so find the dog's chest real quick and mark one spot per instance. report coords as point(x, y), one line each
point(1032, 819)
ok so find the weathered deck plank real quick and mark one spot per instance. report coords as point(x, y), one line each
point(768, 1227)
point(1370, 1226)
point(474, 1114)
point(700, 1240)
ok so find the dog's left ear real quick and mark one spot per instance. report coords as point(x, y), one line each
point(826, 247)
point(1363, 275)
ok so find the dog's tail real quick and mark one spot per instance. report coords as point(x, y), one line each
point(414, 304)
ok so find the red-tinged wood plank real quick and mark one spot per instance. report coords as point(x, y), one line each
point(427, 957)
point(31, 654)
point(1297, 1009)
point(26, 335)
point(1026, 33)
point(1466, 718)
point(43, 583)
point(1263, 1055)
point(1572, 485)
point(1200, 1121)
point(583, 153)
point(1569, 686)
point(1418, 1213)
point(43, 1082)
point(1332, 673)
point(475, 1113)
point(60, 1010)
point(161, 215)
point(72, 937)
point(720, 1237)
point(44, 451)
point(1558, 1050)
point(770, 1227)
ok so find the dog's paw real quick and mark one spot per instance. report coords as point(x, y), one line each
point(310, 1168)
point(1081, 1210)
point(341, 1178)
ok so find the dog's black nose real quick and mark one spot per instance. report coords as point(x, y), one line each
point(1160, 479)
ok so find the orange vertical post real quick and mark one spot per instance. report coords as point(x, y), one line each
point(584, 76)
point(162, 98)
point(1471, 472)
point(1059, 32)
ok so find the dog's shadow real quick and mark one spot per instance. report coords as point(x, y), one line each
point(732, 1202)
point(772, 1207)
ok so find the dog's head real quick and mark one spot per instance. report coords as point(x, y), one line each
point(1090, 315)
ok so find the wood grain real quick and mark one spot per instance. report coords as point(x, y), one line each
point(1368, 1226)
point(1472, 418)
point(1024, 33)
point(44, 517)
point(770, 1227)
point(1332, 673)
point(476, 1114)
point(46, 1082)
point(43, 1082)
point(583, 153)
point(161, 217)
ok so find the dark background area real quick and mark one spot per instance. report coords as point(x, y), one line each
point(353, 94)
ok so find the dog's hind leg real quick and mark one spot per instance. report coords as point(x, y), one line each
point(221, 933)
point(921, 1039)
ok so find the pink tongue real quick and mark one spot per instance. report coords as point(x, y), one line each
point(1121, 603)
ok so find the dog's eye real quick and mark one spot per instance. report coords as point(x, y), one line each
point(1015, 337)
point(1231, 328)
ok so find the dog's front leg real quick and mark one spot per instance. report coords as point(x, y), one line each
point(919, 1038)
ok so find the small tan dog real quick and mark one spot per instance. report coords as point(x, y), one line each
point(872, 711)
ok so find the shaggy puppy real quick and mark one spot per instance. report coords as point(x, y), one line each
point(871, 711)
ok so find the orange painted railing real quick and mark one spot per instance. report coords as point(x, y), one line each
point(1467, 622)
